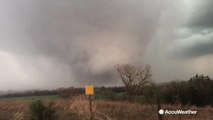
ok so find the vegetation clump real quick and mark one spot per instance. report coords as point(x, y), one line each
point(38, 111)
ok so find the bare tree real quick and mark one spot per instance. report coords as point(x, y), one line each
point(134, 77)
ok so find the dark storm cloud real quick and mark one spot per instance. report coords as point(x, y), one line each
point(89, 37)
point(202, 16)
point(200, 49)
point(41, 27)
point(193, 50)
point(52, 43)
point(196, 38)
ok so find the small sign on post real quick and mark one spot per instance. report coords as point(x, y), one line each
point(89, 90)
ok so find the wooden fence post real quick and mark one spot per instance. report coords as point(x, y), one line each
point(90, 107)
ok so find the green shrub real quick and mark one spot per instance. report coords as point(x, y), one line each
point(37, 111)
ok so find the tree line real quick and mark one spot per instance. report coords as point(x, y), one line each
point(198, 90)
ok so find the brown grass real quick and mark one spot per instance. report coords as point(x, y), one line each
point(78, 109)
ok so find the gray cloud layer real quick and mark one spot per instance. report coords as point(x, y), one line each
point(48, 44)
point(201, 17)
point(196, 32)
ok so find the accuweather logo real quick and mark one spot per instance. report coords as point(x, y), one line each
point(177, 112)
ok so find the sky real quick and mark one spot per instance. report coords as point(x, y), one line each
point(47, 44)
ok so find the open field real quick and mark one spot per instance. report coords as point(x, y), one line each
point(47, 97)
point(77, 109)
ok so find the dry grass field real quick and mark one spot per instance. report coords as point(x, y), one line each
point(78, 109)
